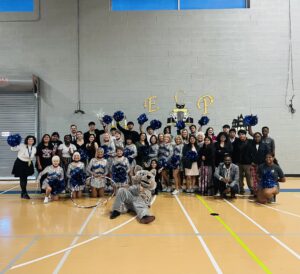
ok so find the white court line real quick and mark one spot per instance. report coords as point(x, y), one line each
point(282, 211)
point(9, 189)
point(75, 240)
point(265, 231)
point(205, 247)
point(79, 244)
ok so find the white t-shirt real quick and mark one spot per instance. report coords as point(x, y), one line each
point(67, 152)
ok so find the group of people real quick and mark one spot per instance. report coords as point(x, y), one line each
point(191, 161)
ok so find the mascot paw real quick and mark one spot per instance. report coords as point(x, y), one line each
point(147, 219)
point(114, 214)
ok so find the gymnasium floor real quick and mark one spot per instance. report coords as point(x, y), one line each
point(184, 239)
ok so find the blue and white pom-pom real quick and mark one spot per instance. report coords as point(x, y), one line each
point(119, 173)
point(203, 121)
point(155, 124)
point(250, 120)
point(14, 140)
point(267, 180)
point(192, 155)
point(127, 153)
point(174, 162)
point(142, 119)
point(180, 125)
point(118, 116)
point(107, 119)
point(162, 163)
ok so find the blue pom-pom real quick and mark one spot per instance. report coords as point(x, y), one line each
point(192, 155)
point(174, 162)
point(107, 119)
point(119, 173)
point(142, 119)
point(162, 162)
point(203, 121)
point(267, 180)
point(14, 140)
point(180, 125)
point(155, 124)
point(118, 116)
point(127, 152)
point(250, 120)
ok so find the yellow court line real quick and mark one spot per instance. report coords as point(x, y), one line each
point(236, 237)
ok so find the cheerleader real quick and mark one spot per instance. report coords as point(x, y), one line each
point(176, 164)
point(269, 175)
point(120, 169)
point(118, 140)
point(76, 176)
point(98, 169)
point(185, 136)
point(153, 150)
point(130, 152)
point(23, 166)
point(109, 148)
point(65, 152)
point(165, 152)
point(54, 182)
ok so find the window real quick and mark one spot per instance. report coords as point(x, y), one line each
point(19, 10)
point(140, 5)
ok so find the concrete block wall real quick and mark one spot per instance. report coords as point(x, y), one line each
point(238, 56)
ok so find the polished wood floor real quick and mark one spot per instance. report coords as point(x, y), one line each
point(184, 239)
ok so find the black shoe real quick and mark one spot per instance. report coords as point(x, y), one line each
point(114, 214)
point(25, 196)
point(147, 219)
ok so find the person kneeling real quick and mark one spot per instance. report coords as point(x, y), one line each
point(227, 178)
point(269, 174)
point(54, 182)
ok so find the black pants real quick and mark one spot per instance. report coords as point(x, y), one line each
point(23, 184)
point(221, 186)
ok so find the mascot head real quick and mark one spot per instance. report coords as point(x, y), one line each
point(144, 177)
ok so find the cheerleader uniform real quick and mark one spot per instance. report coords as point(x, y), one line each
point(119, 169)
point(153, 153)
point(76, 176)
point(23, 166)
point(54, 179)
point(109, 151)
point(98, 166)
point(165, 151)
point(132, 153)
point(119, 143)
point(177, 151)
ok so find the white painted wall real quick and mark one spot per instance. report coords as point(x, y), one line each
point(238, 56)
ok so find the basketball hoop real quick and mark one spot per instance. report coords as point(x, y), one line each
point(3, 81)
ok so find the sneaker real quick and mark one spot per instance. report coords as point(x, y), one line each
point(25, 196)
point(169, 189)
point(147, 219)
point(46, 200)
point(114, 214)
point(165, 189)
point(175, 192)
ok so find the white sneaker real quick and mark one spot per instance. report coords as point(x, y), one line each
point(165, 189)
point(175, 192)
point(46, 200)
point(169, 189)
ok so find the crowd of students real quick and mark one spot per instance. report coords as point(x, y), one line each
point(190, 161)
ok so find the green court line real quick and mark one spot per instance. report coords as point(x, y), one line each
point(236, 237)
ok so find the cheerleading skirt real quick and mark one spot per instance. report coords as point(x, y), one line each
point(22, 169)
